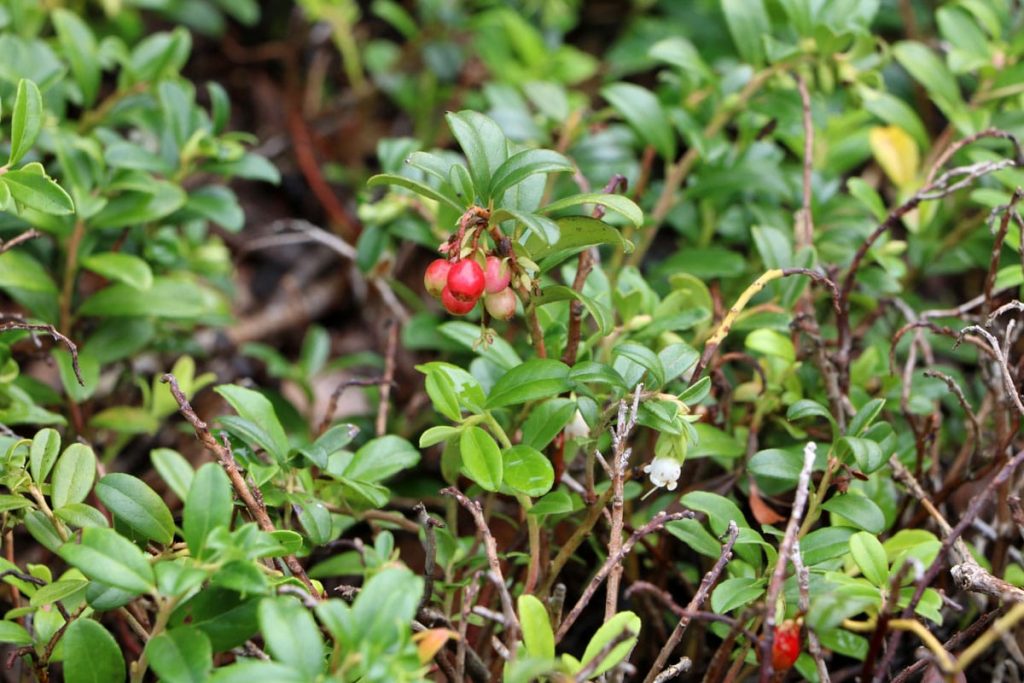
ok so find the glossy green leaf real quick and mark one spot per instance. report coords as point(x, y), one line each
point(736, 592)
point(43, 453)
point(91, 655)
point(136, 506)
point(121, 267)
point(862, 512)
point(483, 143)
point(12, 633)
point(482, 458)
point(181, 655)
point(174, 469)
point(523, 164)
point(105, 555)
point(609, 631)
point(292, 635)
point(38, 191)
point(527, 470)
point(546, 420)
point(208, 505)
point(416, 186)
point(256, 408)
point(624, 206)
point(534, 379)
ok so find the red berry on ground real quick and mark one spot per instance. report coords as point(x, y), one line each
point(496, 275)
point(786, 647)
point(436, 277)
point(501, 305)
point(466, 280)
point(456, 306)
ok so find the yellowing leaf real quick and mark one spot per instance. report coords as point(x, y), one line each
point(429, 642)
point(896, 152)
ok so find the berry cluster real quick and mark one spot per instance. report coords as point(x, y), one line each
point(460, 285)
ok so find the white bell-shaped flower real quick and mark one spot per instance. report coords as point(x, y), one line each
point(664, 472)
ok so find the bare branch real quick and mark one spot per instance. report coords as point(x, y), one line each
point(52, 331)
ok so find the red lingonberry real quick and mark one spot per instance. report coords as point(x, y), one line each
point(501, 305)
point(436, 277)
point(786, 646)
point(496, 275)
point(466, 280)
point(456, 306)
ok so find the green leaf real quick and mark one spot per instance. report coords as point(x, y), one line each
point(18, 270)
point(719, 509)
point(641, 108)
point(534, 379)
point(546, 420)
point(574, 234)
point(257, 409)
point(537, 634)
point(545, 230)
point(181, 655)
point(168, 297)
point(483, 143)
point(73, 475)
point(91, 655)
point(257, 671)
point(37, 191)
point(870, 556)
point(82, 516)
point(441, 391)
point(778, 465)
point(292, 635)
point(748, 24)
point(499, 351)
point(624, 206)
point(79, 46)
point(735, 593)
point(43, 453)
point(865, 416)
point(436, 435)
point(481, 458)
point(12, 633)
point(417, 187)
point(557, 502)
point(643, 357)
point(174, 469)
point(380, 458)
point(825, 544)
point(121, 267)
point(527, 470)
point(931, 72)
point(693, 534)
point(520, 166)
point(136, 506)
point(601, 314)
point(57, 591)
point(867, 453)
point(26, 120)
point(218, 204)
point(861, 511)
point(609, 631)
point(208, 505)
point(107, 556)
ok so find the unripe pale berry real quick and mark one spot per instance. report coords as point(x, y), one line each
point(786, 646)
point(456, 306)
point(496, 275)
point(436, 277)
point(466, 280)
point(501, 305)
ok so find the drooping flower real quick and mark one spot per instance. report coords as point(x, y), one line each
point(664, 472)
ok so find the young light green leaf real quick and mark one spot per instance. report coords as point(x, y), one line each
point(43, 453)
point(870, 556)
point(483, 143)
point(136, 506)
point(258, 410)
point(527, 470)
point(175, 470)
point(37, 191)
point(482, 458)
point(73, 475)
point(26, 120)
point(748, 24)
point(537, 634)
point(613, 628)
point(13, 633)
point(79, 45)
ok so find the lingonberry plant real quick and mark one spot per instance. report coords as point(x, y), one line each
point(714, 372)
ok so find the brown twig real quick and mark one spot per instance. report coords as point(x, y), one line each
point(388, 380)
point(621, 453)
point(1011, 388)
point(659, 521)
point(52, 331)
point(491, 550)
point(227, 461)
point(29, 234)
point(332, 403)
point(785, 552)
point(695, 603)
point(997, 246)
